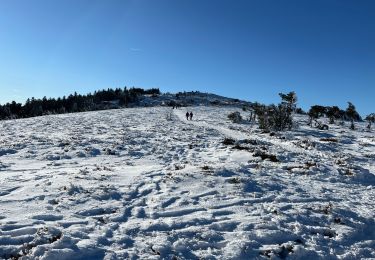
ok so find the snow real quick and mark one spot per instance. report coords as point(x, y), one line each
point(137, 184)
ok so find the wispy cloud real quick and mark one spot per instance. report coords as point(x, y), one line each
point(135, 49)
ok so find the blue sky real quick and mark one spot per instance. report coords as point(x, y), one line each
point(251, 49)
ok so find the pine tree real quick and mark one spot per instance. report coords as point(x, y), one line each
point(370, 119)
point(333, 113)
point(352, 114)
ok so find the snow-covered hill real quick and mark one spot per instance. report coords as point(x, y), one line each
point(146, 183)
point(194, 98)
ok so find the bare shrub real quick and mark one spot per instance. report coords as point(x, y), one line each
point(235, 117)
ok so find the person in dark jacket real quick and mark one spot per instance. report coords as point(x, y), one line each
point(187, 115)
point(191, 115)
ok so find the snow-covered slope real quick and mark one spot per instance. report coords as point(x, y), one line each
point(146, 183)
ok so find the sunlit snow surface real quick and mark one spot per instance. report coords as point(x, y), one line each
point(134, 183)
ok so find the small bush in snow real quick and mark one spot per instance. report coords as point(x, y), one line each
point(235, 117)
point(206, 168)
point(332, 140)
point(265, 156)
point(229, 141)
point(234, 180)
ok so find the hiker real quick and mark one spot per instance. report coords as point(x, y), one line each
point(191, 115)
point(187, 115)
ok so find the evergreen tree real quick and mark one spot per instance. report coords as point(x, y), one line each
point(315, 112)
point(333, 113)
point(370, 119)
point(277, 117)
point(352, 114)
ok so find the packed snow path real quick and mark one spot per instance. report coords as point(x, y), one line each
point(148, 184)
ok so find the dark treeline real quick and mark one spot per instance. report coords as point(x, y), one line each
point(103, 99)
point(335, 113)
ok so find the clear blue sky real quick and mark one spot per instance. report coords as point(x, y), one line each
point(250, 49)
